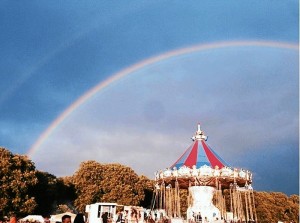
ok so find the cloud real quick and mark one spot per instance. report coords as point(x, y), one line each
point(242, 96)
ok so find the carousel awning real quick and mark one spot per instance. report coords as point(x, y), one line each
point(199, 154)
point(200, 165)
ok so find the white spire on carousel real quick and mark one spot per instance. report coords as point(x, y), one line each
point(199, 135)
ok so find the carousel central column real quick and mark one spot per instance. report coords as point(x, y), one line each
point(202, 196)
point(202, 204)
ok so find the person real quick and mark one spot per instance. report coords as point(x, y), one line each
point(46, 219)
point(105, 217)
point(123, 217)
point(79, 218)
point(200, 218)
point(66, 219)
point(13, 219)
point(134, 215)
point(149, 219)
point(119, 217)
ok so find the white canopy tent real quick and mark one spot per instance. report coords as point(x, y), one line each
point(33, 218)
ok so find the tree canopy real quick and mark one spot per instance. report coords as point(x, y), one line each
point(95, 182)
point(17, 178)
point(25, 190)
point(275, 206)
point(51, 192)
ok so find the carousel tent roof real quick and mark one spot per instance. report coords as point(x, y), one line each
point(199, 154)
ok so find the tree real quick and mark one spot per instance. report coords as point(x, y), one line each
point(276, 206)
point(148, 187)
point(95, 182)
point(45, 192)
point(87, 182)
point(50, 192)
point(65, 192)
point(17, 178)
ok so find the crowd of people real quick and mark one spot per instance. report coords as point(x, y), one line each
point(12, 219)
point(65, 219)
point(121, 217)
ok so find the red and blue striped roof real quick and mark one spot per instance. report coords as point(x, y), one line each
point(199, 154)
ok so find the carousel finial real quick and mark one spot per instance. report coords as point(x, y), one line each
point(199, 129)
point(199, 135)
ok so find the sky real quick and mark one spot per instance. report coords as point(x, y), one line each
point(128, 82)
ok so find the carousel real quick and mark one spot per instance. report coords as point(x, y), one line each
point(205, 176)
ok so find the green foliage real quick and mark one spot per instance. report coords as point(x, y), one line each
point(44, 192)
point(276, 206)
point(24, 190)
point(65, 192)
point(148, 191)
point(50, 192)
point(63, 208)
point(17, 178)
point(95, 182)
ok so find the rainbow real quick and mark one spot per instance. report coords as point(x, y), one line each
point(117, 76)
